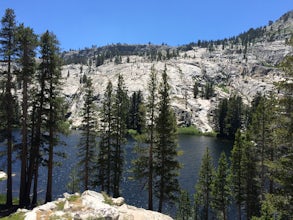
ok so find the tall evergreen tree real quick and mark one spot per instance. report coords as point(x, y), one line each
point(143, 165)
point(221, 188)
point(105, 162)
point(26, 44)
point(87, 146)
point(262, 129)
point(250, 181)
point(184, 210)
point(221, 116)
point(237, 172)
point(120, 110)
point(233, 119)
point(204, 186)
point(279, 203)
point(165, 153)
point(7, 52)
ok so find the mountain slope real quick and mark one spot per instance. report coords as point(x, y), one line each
point(235, 65)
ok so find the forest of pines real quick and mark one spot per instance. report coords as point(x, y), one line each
point(256, 180)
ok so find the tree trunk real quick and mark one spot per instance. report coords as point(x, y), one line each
point(24, 132)
point(51, 145)
point(35, 190)
point(9, 112)
point(239, 211)
point(150, 179)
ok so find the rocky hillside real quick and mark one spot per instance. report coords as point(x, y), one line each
point(245, 65)
point(89, 205)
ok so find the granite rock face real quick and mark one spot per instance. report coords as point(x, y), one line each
point(91, 205)
point(233, 69)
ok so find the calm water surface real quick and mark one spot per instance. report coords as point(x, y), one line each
point(193, 147)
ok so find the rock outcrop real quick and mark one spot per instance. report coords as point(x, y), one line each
point(242, 68)
point(90, 205)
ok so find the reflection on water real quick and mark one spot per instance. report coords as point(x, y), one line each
point(192, 146)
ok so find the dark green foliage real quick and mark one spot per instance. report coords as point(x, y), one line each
point(120, 110)
point(100, 60)
point(26, 44)
point(184, 209)
point(74, 182)
point(144, 164)
point(203, 196)
point(7, 53)
point(87, 146)
point(136, 116)
point(195, 90)
point(262, 130)
point(221, 191)
point(208, 91)
point(165, 152)
point(250, 178)
point(105, 146)
point(279, 203)
point(229, 116)
point(221, 114)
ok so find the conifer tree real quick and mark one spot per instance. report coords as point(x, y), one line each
point(143, 165)
point(120, 110)
point(237, 172)
point(221, 188)
point(87, 146)
point(165, 153)
point(233, 119)
point(261, 130)
point(279, 203)
point(184, 210)
point(204, 186)
point(7, 52)
point(250, 181)
point(105, 162)
point(26, 44)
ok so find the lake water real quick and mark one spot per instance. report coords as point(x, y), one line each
point(193, 147)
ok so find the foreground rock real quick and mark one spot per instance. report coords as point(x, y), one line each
point(90, 205)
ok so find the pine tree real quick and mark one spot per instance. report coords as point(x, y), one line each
point(26, 44)
point(262, 129)
point(237, 172)
point(7, 51)
point(221, 114)
point(250, 181)
point(87, 146)
point(143, 165)
point(184, 210)
point(120, 110)
point(233, 119)
point(204, 186)
point(105, 146)
point(279, 204)
point(195, 90)
point(221, 188)
point(165, 153)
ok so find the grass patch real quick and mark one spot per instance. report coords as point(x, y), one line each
point(14, 216)
point(15, 201)
point(188, 131)
point(107, 199)
point(73, 198)
point(60, 206)
point(224, 88)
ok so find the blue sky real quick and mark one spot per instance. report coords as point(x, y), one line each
point(83, 23)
